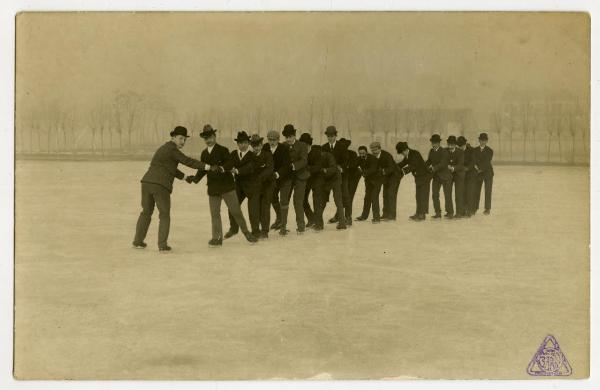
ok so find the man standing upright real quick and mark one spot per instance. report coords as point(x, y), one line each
point(314, 183)
point(281, 172)
point(217, 169)
point(470, 176)
point(413, 163)
point(378, 178)
point(157, 185)
point(340, 153)
point(247, 185)
point(437, 163)
point(264, 171)
point(391, 181)
point(368, 167)
point(456, 166)
point(299, 172)
point(482, 158)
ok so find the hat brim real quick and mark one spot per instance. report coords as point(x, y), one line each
point(173, 134)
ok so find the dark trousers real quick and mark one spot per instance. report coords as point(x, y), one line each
point(275, 200)
point(298, 187)
point(231, 200)
point(458, 181)
point(154, 194)
point(253, 209)
point(372, 191)
point(353, 180)
point(436, 184)
point(314, 185)
point(390, 196)
point(366, 201)
point(265, 199)
point(422, 187)
point(488, 179)
point(335, 186)
point(470, 183)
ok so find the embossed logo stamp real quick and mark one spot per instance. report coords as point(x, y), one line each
point(549, 360)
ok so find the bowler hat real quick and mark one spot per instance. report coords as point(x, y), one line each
point(208, 131)
point(288, 130)
point(451, 140)
point(483, 137)
point(375, 144)
point(331, 130)
point(306, 138)
point(401, 146)
point(460, 141)
point(256, 139)
point(346, 142)
point(179, 130)
point(242, 136)
point(435, 138)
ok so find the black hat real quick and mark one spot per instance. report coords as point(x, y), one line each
point(208, 131)
point(242, 136)
point(346, 142)
point(288, 130)
point(451, 140)
point(460, 141)
point(435, 138)
point(401, 146)
point(306, 138)
point(331, 130)
point(179, 130)
point(256, 139)
point(483, 137)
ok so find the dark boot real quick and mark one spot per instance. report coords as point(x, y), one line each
point(215, 242)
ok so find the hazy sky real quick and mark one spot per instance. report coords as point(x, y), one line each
point(281, 60)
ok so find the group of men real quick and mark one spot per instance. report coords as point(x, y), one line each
point(274, 173)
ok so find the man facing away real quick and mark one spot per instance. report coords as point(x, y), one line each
point(246, 184)
point(264, 171)
point(482, 158)
point(298, 153)
point(437, 163)
point(157, 185)
point(367, 164)
point(456, 160)
point(221, 187)
point(281, 172)
point(470, 176)
point(413, 163)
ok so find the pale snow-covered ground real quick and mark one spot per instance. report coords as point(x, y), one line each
point(452, 299)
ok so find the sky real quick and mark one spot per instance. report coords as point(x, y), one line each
point(280, 61)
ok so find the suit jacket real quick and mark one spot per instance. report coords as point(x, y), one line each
point(482, 159)
point(219, 178)
point(386, 165)
point(281, 160)
point(264, 167)
point(163, 166)
point(353, 170)
point(299, 160)
point(340, 153)
point(368, 166)
point(439, 160)
point(247, 177)
point(329, 167)
point(415, 164)
point(469, 162)
point(456, 159)
point(315, 165)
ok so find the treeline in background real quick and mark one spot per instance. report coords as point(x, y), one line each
point(130, 125)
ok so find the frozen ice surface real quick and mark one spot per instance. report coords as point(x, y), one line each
point(386, 300)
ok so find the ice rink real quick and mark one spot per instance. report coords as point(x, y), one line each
point(387, 300)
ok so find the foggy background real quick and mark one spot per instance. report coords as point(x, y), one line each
point(114, 84)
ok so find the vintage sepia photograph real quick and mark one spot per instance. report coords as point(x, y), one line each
point(302, 195)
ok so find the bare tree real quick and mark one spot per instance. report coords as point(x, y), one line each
point(127, 106)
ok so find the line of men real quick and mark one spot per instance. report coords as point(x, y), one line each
point(276, 173)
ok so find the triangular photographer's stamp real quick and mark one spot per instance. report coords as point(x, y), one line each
point(549, 360)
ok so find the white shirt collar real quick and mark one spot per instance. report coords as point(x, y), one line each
point(243, 153)
point(273, 149)
point(378, 155)
point(332, 145)
point(210, 148)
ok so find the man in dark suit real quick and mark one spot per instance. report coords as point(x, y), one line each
point(367, 164)
point(298, 152)
point(221, 186)
point(413, 163)
point(157, 185)
point(378, 177)
point(281, 172)
point(264, 171)
point(340, 153)
point(332, 183)
point(482, 158)
point(247, 185)
point(314, 184)
point(437, 163)
point(456, 160)
point(391, 176)
point(470, 176)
